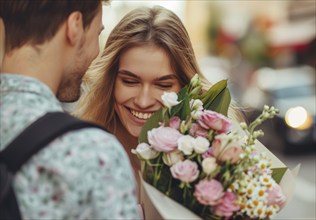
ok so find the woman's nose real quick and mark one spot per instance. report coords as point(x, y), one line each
point(144, 98)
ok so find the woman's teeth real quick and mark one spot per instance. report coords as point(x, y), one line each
point(141, 115)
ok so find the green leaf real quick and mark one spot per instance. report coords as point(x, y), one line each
point(211, 94)
point(182, 93)
point(220, 103)
point(217, 98)
point(185, 111)
point(176, 109)
point(277, 173)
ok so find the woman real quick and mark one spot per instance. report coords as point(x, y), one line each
point(148, 52)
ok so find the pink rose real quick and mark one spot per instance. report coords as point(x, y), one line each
point(276, 196)
point(227, 205)
point(208, 153)
point(196, 130)
point(163, 139)
point(186, 171)
point(208, 192)
point(175, 122)
point(213, 120)
point(227, 147)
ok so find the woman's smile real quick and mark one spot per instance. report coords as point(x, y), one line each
point(141, 115)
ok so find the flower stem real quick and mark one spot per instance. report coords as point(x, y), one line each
point(169, 186)
point(203, 211)
point(192, 202)
point(184, 193)
point(157, 172)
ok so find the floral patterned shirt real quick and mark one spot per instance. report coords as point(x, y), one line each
point(83, 174)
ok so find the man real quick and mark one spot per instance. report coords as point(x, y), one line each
point(83, 174)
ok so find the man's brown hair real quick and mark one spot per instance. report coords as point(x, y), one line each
point(36, 21)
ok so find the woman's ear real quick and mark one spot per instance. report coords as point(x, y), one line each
point(74, 27)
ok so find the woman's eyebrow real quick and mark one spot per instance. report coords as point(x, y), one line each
point(128, 73)
point(166, 77)
point(162, 78)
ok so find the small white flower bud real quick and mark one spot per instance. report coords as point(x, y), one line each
point(243, 125)
point(183, 127)
point(195, 81)
point(266, 115)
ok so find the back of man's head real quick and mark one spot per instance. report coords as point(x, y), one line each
point(36, 21)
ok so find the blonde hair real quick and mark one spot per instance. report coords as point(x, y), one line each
point(155, 26)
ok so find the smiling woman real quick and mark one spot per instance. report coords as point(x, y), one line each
point(148, 53)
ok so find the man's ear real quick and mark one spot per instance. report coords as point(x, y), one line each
point(74, 27)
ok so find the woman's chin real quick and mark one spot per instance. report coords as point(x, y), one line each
point(135, 132)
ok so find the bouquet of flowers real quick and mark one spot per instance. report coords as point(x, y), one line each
point(192, 153)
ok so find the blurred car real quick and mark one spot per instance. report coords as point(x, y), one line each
point(292, 91)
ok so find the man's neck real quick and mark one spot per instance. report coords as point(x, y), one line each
point(35, 62)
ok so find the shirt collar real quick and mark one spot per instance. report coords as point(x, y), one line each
point(21, 83)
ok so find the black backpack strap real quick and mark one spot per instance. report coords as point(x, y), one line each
point(36, 136)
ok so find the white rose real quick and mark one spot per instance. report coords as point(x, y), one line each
point(172, 157)
point(209, 165)
point(170, 99)
point(201, 145)
point(145, 151)
point(186, 144)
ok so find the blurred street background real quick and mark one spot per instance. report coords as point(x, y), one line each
point(267, 51)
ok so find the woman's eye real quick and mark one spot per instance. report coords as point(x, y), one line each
point(165, 86)
point(129, 82)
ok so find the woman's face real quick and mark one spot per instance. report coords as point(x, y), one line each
point(144, 73)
